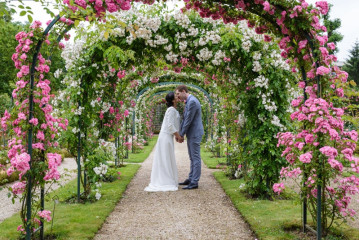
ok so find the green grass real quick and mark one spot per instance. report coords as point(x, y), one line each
point(142, 156)
point(269, 218)
point(210, 160)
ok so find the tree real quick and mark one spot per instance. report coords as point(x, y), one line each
point(332, 25)
point(8, 43)
point(351, 65)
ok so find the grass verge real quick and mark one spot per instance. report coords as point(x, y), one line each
point(269, 219)
point(210, 160)
point(77, 221)
point(142, 156)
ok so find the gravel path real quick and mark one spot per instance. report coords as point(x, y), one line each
point(68, 170)
point(203, 213)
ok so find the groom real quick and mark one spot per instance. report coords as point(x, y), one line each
point(192, 127)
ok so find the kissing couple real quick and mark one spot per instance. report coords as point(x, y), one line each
point(164, 175)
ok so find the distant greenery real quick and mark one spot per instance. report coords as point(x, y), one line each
point(8, 43)
point(332, 26)
point(352, 63)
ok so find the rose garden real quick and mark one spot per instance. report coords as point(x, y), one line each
point(274, 107)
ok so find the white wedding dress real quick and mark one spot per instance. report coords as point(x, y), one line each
point(164, 175)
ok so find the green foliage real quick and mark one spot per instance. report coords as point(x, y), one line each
point(332, 26)
point(351, 65)
point(5, 103)
point(116, 55)
point(8, 43)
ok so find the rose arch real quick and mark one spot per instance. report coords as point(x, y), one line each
point(240, 69)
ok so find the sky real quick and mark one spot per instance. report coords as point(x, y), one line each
point(346, 10)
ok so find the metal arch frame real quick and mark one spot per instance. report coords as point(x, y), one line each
point(31, 106)
point(30, 131)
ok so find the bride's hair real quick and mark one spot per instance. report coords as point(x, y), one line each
point(169, 99)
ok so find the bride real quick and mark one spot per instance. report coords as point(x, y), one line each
point(164, 175)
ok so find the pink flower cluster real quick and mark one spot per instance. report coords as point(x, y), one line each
point(45, 214)
point(323, 121)
point(278, 187)
point(100, 6)
point(44, 125)
point(18, 188)
point(20, 162)
point(54, 161)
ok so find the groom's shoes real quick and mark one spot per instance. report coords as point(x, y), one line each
point(186, 182)
point(191, 186)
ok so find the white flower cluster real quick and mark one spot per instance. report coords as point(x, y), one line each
point(268, 104)
point(182, 46)
point(72, 53)
point(246, 43)
point(96, 132)
point(101, 170)
point(94, 102)
point(106, 106)
point(241, 119)
point(204, 54)
point(108, 147)
point(182, 19)
point(277, 61)
point(79, 110)
point(152, 23)
point(159, 40)
point(257, 56)
point(218, 57)
point(193, 31)
point(143, 33)
point(256, 67)
point(98, 194)
point(209, 36)
point(261, 81)
point(57, 73)
point(171, 57)
point(130, 39)
point(276, 122)
point(118, 32)
point(75, 130)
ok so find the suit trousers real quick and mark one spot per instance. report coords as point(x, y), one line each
point(194, 152)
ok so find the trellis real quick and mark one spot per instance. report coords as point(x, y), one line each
point(29, 184)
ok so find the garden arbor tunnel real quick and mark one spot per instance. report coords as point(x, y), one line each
point(233, 61)
point(143, 99)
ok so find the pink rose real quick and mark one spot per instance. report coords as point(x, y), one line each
point(306, 157)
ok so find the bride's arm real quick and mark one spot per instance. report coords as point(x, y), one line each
point(177, 135)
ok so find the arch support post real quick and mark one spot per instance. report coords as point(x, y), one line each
point(30, 132)
point(126, 139)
